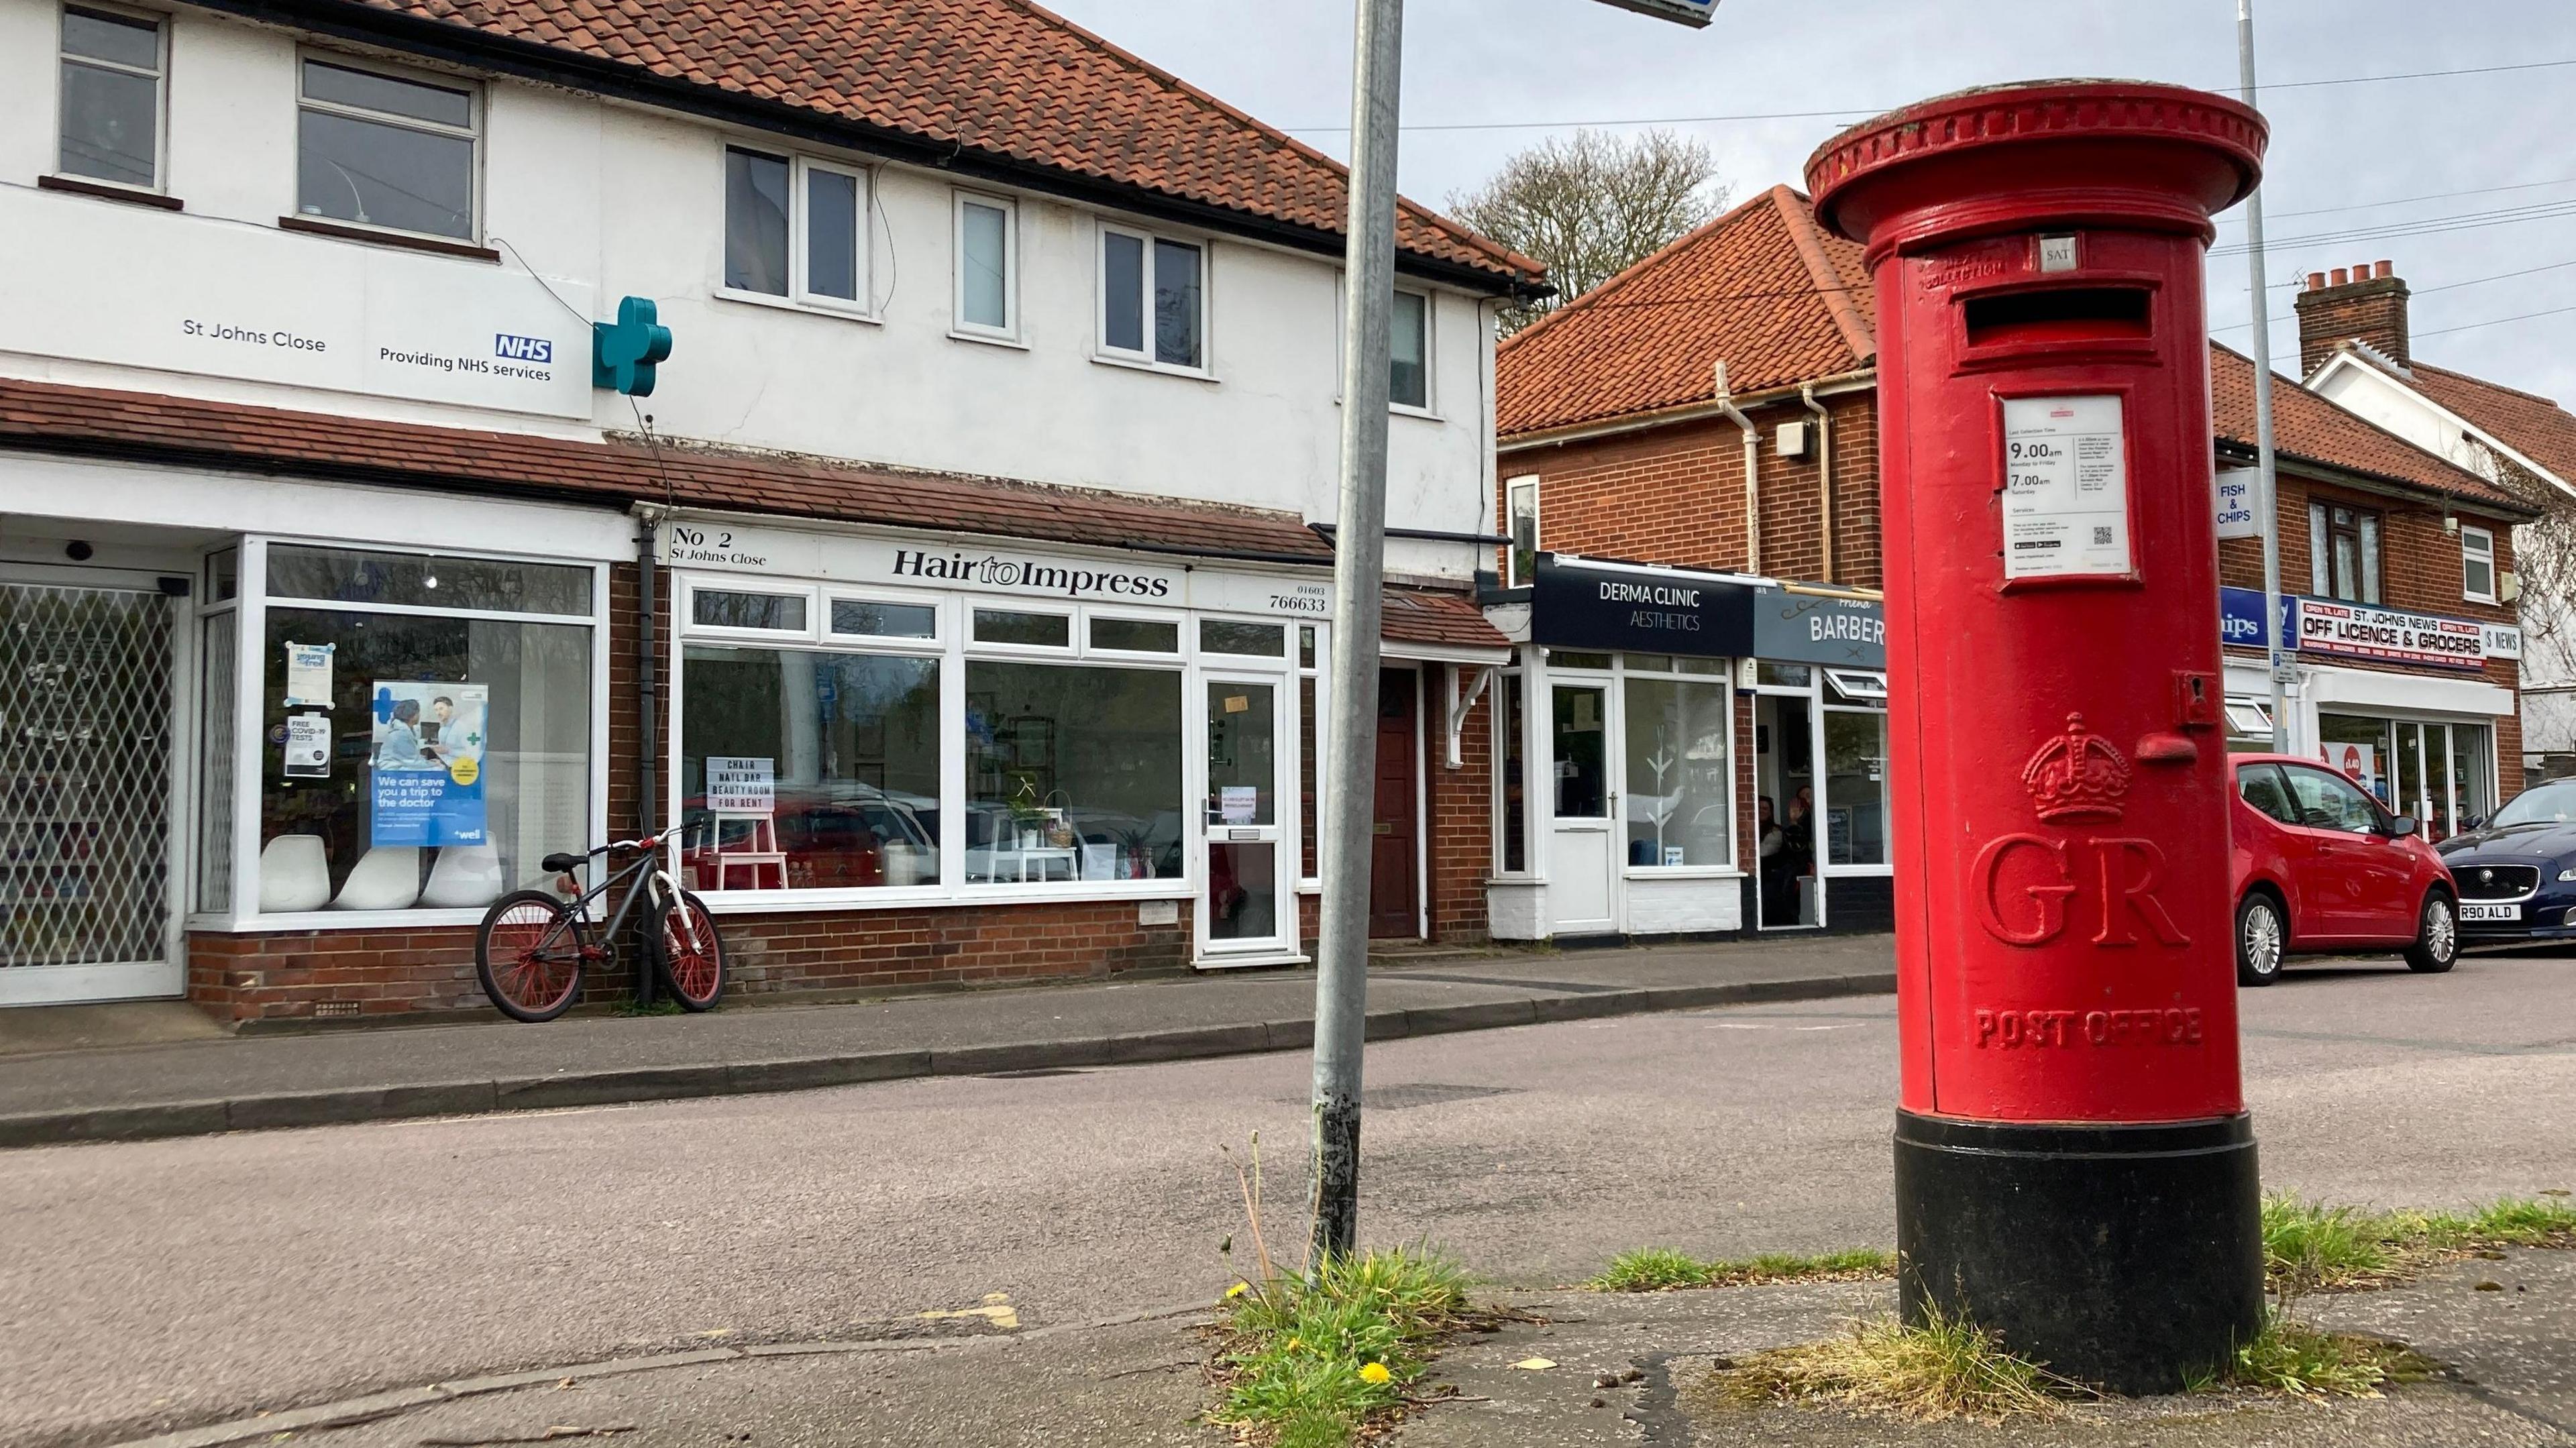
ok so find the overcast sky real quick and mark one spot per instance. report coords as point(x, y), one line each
point(2362, 146)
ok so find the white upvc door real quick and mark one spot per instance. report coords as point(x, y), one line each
point(1583, 854)
point(1249, 907)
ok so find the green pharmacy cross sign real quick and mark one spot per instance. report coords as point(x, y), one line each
point(1694, 13)
point(624, 352)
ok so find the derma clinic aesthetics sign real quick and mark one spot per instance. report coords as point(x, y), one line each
point(998, 569)
point(194, 295)
point(1640, 610)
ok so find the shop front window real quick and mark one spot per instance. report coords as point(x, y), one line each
point(807, 770)
point(2359, 747)
point(1073, 772)
point(1680, 806)
point(424, 740)
point(1855, 787)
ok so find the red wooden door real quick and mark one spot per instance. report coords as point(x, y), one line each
point(1393, 880)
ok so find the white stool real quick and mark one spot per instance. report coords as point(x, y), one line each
point(293, 875)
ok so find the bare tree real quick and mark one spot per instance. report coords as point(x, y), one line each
point(1592, 205)
point(2544, 562)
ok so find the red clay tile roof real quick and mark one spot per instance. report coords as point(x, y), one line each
point(50, 417)
point(2530, 424)
point(1760, 287)
point(1420, 616)
point(1002, 78)
point(2307, 427)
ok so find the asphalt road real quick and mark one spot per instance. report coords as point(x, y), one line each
point(158, 1284)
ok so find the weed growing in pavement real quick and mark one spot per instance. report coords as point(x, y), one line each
point(1662, 1269)
point(2308, 1246)
point(2289, 1356)
point(1310, 1360)
point(1318, 1356)
point(662, 1006)
point(1943, 1369)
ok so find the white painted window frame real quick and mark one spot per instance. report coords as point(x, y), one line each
point(800, 297)
point(1429, 407)
point(1144, 359)
point(1512, 489)
point(2483, 553)
point(159, 76)
point(960, 327)
point(478, 101)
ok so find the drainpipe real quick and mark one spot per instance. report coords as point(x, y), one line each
point(648, 719)
point(1752, 478)
point(1824, 481)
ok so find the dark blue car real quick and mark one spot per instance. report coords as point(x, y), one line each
point(2517, 871)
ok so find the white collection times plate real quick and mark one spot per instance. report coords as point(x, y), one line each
point(2066, 488)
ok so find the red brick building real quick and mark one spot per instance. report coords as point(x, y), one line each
point(1710, 414)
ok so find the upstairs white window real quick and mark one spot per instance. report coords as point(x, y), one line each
point(1153, 300)
point(795, 228)
point(987, 267)
point(1521, 500)
point(383, 150)
point(1409, 352)
point(111, 119)
point(2477, 565)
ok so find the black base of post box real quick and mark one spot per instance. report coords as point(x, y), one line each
point(2119, 1256)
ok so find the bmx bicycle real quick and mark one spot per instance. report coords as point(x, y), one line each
point(534, 944)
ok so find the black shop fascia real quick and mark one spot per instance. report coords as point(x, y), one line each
point(1601, 605)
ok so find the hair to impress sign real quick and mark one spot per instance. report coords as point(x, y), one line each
point(995, 568)
point(1640, 610)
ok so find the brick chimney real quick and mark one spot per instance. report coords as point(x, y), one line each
point(2357, 304)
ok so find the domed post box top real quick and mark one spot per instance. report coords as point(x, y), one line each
point(2036, 153)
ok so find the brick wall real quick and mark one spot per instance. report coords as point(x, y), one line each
point(1461, 811)
point(286, 976)
point(1676, 495)
point(2370, 309)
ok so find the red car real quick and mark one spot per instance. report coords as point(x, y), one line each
point(2321, 866)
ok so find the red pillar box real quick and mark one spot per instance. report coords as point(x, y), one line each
point(2075, 1168)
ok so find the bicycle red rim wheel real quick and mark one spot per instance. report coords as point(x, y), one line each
point(692, 958)
point(535, 956)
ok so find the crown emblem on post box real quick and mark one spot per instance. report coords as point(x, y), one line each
point(2079, 775)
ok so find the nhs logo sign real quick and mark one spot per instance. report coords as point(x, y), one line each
point(522, 349)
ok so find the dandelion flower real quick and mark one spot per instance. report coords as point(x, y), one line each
point(1295, 1343)
point(1237, 1290)
point(1374, 1373)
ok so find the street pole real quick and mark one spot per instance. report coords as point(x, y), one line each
point(1359, 570)
point(2267, 501)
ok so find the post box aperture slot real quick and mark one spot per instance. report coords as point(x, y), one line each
point(2059, 314)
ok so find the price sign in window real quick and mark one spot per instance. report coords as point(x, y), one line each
point(2066, 488)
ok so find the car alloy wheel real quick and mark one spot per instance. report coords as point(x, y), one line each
point(2259, 940)
point(2437, 938)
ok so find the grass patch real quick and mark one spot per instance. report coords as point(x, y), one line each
point(2289, 1356)
point(1662, 1269)
point(1313, 1359)
point(2309, 1246)
point(1943, 1369)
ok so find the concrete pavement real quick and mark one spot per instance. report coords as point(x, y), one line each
point(155, 1285)
point(266, 1081)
